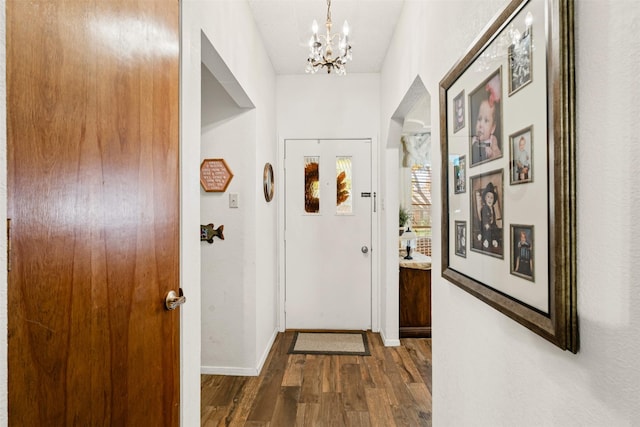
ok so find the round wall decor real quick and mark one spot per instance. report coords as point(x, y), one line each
point(268, 182)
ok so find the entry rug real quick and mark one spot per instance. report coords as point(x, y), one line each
point(346, 343)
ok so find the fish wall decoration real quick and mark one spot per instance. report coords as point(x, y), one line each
point(207, 232)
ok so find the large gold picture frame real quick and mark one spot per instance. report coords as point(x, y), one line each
point(518, 73)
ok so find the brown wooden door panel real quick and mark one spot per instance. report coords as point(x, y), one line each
point(92, 122)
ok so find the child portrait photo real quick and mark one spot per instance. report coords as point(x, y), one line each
point(486, 213)
point(461, 238)
point(460, 174)
point(486, 120)
point(522, 251)
point(521, 156)
point(458, 112)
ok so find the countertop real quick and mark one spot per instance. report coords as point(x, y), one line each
point(419, 261)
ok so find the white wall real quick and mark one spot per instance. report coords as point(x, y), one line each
point(230, 28)
point(238, 310)
point(329, 106)
point(228, 333)
point(487, 369)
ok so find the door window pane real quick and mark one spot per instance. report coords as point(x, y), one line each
point(344, 198)
point(311, 184)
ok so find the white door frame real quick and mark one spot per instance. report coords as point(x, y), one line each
point(375, 248)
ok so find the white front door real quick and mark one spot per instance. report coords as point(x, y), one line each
point(328, 206)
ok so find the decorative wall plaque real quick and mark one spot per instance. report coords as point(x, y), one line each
point(215, 175)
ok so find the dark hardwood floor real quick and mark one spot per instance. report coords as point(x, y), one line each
point(392, 387)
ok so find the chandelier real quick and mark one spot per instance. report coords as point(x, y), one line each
point(321, 55)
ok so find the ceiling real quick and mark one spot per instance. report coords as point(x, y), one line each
point(285, 27)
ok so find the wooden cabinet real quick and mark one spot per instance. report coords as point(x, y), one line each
point(415, 303)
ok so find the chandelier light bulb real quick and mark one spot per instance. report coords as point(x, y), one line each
point(528, 20)
point(345, 28)
point(314, 27)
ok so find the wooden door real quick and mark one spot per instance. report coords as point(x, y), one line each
point(328, 235)
point(93, 200)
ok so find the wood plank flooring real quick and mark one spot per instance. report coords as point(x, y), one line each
point(392, 387)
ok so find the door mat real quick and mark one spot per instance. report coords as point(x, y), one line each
point(346, 343)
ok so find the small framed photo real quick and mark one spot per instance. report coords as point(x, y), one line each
point(458, 112)
point(520, 73)
point(486, 213)
point(522, 251)
point(521, 156)
point(460, 174)
point(485, 133)
point(461, 238)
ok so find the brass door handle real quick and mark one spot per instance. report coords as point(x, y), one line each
point(174, 300)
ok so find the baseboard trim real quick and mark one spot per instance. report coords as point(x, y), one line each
point(415, 331)
point(242, 372)
point(266, 351)
point(226, 370)
point(389, 342)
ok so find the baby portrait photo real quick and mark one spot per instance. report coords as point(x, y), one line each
point(486, 213)
point(521, 156)
point(522, 251)
point(458, 112)
point(486, 120)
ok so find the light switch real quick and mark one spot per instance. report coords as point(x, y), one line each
point(233, 200)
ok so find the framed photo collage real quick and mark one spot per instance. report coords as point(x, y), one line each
point(506, 113)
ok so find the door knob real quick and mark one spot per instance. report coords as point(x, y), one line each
point(364, 249)
point(174, 300)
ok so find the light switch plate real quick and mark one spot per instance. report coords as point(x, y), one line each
point(233, 200)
